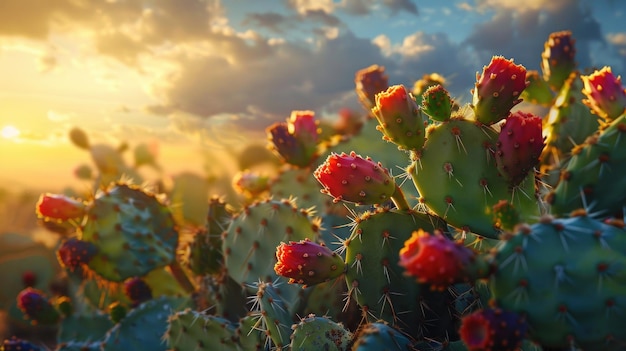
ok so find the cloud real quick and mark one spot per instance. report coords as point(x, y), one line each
point(265, 79)
point(272, 21)
point(519, 29)
point(400, 5)
point(424, 53)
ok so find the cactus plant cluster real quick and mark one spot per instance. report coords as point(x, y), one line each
point(494, 234)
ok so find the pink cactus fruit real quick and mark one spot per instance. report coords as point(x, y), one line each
point(399, 118)
point(368, 82)
point(519, 146)
point(59, 207)
point(36, 307)
point(308, 263)
point(73, 253)
point(349, 122)
point(558, 58)
point(605, 94)
point(498, 89)
point(352, 178)
point(493, 329)
point(295, 141)
point(436, 260)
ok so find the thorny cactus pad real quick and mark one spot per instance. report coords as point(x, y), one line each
point(352, 178)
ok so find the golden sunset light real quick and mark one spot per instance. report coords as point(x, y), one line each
point(171, 171)
point(9, 132)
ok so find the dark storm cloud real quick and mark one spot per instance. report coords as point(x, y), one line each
point(272, 21)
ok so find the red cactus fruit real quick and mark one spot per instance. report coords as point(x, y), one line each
point(605, 94)
point(137, 290)
point(369, 82)
point(349, 123)
point(352, 178)
point(29, 279)
point(308, 263)
point(59, 207)
point(493, 329)
point(17, 344)
point(436, 260)
point(35, 305)
point(557, 58)
point(519, 146)
point(73, 253)
point(498, 89)
point(399, 118)
point(296, 140)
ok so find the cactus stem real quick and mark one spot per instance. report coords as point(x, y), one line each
point(181, 277)
point(399, 200)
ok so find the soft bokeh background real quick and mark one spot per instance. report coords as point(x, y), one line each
point(197, 80)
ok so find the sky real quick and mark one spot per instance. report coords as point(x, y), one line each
point(195, 76)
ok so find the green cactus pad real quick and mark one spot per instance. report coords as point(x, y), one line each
point(568, 277)
point(144, 326)
point(594, 177)
point(192, 330)
point(569, 123)
point(378, 283)
point(84, 328)
point(319, 333)
point(272, 314)
point(252, 237)
point(133, 231)
point(457, 177)
point(380, 336)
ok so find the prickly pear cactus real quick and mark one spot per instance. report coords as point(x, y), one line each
point(567, 277)
point(134, 232)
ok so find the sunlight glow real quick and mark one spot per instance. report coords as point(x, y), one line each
point(9, 132)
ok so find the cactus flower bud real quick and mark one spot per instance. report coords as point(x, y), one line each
point(605, 94)
point(296, 140)
point(59, 207)
point(435, 260)
point(352, 178)
point(436, 103)
point(493, 329)
point(74, 252)
point(369, 82)
point(498, 89)
point(399, 118)
point(305, 262)
point(35, 305)
point(519, 146)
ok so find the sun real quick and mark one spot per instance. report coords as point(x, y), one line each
point(9, 132)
